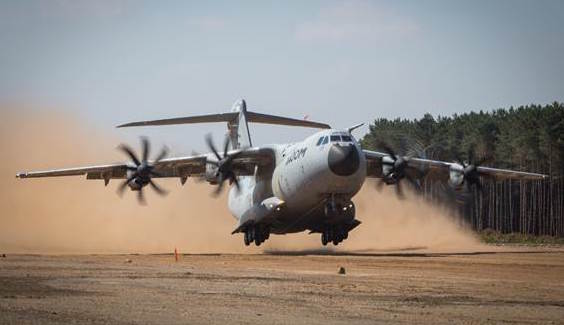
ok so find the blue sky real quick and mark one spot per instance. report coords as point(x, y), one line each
point(340, 62)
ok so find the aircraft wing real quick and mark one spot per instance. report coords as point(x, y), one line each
point(171, 167)
point(438, 168)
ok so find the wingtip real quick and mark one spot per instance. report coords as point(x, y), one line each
point(20, 175)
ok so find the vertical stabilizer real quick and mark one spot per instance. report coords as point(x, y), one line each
point(239, 129)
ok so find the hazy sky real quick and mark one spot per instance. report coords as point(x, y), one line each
point(340, 62)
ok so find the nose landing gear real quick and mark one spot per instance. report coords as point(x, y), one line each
point(335, 235)
point(339, 221)
point(257, 234)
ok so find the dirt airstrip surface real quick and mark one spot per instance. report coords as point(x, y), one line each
point(513, 285)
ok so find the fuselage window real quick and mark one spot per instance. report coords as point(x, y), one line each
point(335, 138)
point(319, 141)
point(346, 138)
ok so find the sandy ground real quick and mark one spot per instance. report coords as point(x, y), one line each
point(514, 285)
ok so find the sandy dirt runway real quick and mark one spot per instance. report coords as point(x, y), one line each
point(512, 285)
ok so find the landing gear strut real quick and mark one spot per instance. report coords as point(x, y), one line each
point(334, 234)
point(257, 234)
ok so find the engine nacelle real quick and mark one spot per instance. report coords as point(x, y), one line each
point(456, 175)
point(211, 174)
point(393, 169)
point(136, 184)
point(387, 166)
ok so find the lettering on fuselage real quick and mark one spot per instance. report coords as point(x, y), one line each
point(296, 155)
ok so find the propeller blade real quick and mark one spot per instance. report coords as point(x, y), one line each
point(459, 160)
point(162, 155)
point(146, 147)
point(479, 185)
point(388, 150)
point(380, 184)
point(399, 191)
point(471, 155)
point(236, 182)
point(127, 150)
point(158, 189)
point(226, 146)
point(414, 182)
point(123, 185)
point(219, 188)
point(482, 161)
point(141, 197)
point(209, 141)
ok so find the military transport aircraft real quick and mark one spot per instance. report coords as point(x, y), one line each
point(282, 188)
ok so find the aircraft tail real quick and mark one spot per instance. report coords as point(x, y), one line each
point(239, 133)
point(237, 122)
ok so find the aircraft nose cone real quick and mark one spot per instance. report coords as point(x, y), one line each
point(343, 160)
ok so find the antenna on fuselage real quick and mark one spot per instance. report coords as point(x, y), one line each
point(354, 127)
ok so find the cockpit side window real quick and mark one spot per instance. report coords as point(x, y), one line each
point(325, 140)
point(320, 141)
point(335, 138)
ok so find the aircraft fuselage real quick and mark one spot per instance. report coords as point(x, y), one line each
point(322, 172)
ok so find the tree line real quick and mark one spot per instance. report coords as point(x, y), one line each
point(528, 138)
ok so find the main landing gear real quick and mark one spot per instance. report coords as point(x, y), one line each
point(257, 234)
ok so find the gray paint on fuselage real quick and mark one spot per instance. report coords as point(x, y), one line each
point(302, 179)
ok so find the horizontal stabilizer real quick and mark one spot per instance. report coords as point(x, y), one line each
point(230, 117)
point(210, 118)
point(273, 119)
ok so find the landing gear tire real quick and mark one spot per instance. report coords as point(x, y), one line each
point(256, 234)
point(247, 238)
point(324, 238)
point(334, 235)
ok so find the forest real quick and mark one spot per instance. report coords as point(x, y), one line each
point(527, 138)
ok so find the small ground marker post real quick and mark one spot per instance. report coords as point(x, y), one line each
point(175, 254)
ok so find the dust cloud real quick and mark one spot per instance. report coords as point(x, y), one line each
point(391, 225)
point(74, 215)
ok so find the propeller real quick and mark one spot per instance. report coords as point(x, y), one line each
point(140, 175)
point(224, 164)
point(397, 171)
point(470, 172)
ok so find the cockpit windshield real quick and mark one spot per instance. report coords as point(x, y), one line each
point(335, 138)
point(346, 138)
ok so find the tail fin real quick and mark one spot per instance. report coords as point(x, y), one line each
point(237, 122)
point(239, 133)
